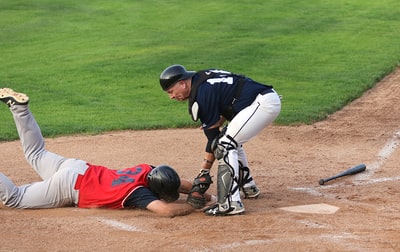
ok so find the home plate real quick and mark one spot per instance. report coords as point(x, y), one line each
point(312, 208)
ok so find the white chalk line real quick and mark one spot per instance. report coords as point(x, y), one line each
point(374, 181)
point(340, 238)
point(118, 225)
point(363, 178)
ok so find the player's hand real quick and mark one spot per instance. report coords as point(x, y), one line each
point(200, 185)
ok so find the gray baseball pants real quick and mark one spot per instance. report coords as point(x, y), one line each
point(58, 173)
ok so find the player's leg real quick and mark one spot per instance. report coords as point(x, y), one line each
point(228, 196)
point(8, 190)
point(253, 119)
point(246, 182)
point(44, 162)
point(236, 205)
point(246, 125)
point(56, 191)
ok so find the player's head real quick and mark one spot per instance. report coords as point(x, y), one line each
point(165, 182)
point(173, 74)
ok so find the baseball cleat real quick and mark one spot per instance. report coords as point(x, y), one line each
point(251, 192)
point(236, 207)
point(10, 97)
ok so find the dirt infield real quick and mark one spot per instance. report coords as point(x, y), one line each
point(286, 162)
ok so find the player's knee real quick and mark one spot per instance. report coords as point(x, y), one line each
point(218, 149)
point(222, 145)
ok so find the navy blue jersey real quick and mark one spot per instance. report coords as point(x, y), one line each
point(218, 93)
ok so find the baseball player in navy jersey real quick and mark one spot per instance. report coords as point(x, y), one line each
point(215, 96)
point(73, 182)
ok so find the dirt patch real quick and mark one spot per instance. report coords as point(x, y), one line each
point(286, 162)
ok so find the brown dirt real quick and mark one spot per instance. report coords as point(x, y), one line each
point(287, 163)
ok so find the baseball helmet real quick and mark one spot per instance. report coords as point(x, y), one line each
point(165, 182)
point(173, 74)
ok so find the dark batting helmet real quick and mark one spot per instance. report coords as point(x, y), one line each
point(165, 182)
point(173, 74)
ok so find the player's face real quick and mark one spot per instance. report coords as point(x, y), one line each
point(179, 91)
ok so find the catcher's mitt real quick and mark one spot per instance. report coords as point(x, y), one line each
point(200, 185)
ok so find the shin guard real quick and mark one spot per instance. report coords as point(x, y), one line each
point(224, 186)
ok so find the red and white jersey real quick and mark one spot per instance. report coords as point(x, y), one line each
point(103, 187)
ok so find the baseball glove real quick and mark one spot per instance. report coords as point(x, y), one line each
point(200, 185)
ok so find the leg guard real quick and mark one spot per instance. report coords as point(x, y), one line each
point(244, 175)
point(225, 177)
point(224, 186)
point(246, 183)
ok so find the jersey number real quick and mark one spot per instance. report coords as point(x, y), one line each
point(126, 176)
point(227, 80)
point(222, 79)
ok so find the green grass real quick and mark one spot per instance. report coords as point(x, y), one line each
point(94, 66)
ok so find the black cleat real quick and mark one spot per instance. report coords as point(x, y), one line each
point(236, 207)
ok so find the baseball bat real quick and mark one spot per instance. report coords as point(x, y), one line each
point(353, 170)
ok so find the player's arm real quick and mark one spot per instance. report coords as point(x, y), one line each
point(144, 198)
point(165, 209)
point(176, 209)
point(197, 196)
point(211, 133)
point(208, 161)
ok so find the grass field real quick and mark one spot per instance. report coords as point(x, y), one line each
point(94, 66)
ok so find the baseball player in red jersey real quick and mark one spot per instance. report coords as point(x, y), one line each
point(216, 96)
point(73, 182)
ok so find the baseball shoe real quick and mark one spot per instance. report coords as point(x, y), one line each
point(251, 192)
point(236, 207)
point(10, 97)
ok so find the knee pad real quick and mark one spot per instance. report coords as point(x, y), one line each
point(214, 143)
point(219, 150)
point(221, 146)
